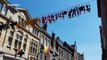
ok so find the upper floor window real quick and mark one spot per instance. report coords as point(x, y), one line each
point(38, 33)
point(33, 47)
point(4, 9)
point(22, 22)
point(25, 42)
point(19, 19)
point(70, 57)
point(45, 41)
point(18, 41)
point(34, 31)
point(1, 5)
point(11, 14)
point(48, 43)
point(65, 54)
point(42, 39)
point(12, 11)
point(10, 38)
point(60, 52)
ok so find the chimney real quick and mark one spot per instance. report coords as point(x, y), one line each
point(45, 27)
point(57, 38)
point(53, 35)
point(53, 40)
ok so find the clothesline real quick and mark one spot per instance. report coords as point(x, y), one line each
point(67, 8)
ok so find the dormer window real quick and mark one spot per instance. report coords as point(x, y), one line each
point(22, 21)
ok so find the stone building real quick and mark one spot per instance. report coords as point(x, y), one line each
point(17, 41)
point(23, 38)
point(67, 52)
point(80, 56)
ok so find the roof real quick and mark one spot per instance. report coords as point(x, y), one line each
point(25, 11)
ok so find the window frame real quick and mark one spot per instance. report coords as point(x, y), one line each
point(12, 13)
point(33, 47)
point(42, 39)
point(4, 9)
point(11, 34)
point(18, 39)
point(1, 6)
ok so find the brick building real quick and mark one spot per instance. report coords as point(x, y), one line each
point(102, 13)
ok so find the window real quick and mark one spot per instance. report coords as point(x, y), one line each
point(45, 42)
point(34, 31)
point(23, 23)
point(42, 39)
point(38, 33)
point(19, 19)
point(60, 52)
point(33, 47)
point(70, 57)
point(67, 56)
point(18, 41)
point(12, 14)
point(25, 44)
point(4, 9)
point(1, 6)
point(48, 43)
point(10, 38)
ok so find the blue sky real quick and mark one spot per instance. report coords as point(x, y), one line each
point(83, 29)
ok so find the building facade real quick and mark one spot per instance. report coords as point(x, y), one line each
point(45, 45)
point(17, 42)
point(23, 38)
point(64, 51)
point(102, 12)
point(67, 52)
point(80, 56)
